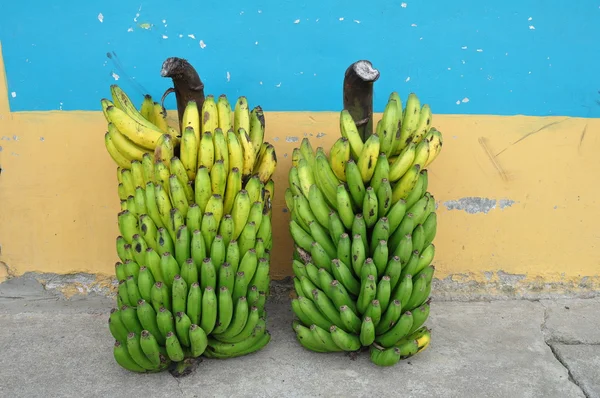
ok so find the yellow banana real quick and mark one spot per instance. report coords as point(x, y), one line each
point(424, 124)
point(191, 118)
point(159, 118)
point(421, 153)
point(161, 174)
point(390, 126)
point(338, 157)
point(114, 153)
point(126, 147)
point(146, 108)
point(368, 157)
point(122, 101)
point(435, 146)
point(409, 121)
point(257, 128)
point(402, 162)
point(189, 152)
point(234, 185)
point(296, 156)
point(218, 178)
point(139, 133)
point(406, 183)
point(235, 152)
point(266, 164)
point(248, 152)
point(224, 113)
point(206, 151)
point(221, 151)
point(241, 115)
point(137, 173)
point(148, 167)
point(349, 131)
point(164, 151)
point(210, 114)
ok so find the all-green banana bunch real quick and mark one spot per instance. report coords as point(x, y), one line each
point(363, 225)
point(195, 241)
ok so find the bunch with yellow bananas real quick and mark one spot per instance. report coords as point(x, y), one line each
point(195, 235)
point(363, 224)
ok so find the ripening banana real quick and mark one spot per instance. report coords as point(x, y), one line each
point(338, 157)
point(410, 120)
point(368, 158)
point(350, 132)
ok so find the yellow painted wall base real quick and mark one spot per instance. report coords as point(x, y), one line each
point(59, 200)
point(516, 195)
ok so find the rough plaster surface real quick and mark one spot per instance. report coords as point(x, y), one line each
point(57, 347)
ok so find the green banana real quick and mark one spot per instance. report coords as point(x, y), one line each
point(135, 350)
point(165, 322)
point(174, 350)
point(344, 340)
point(385, 357)
point(384, 292)
point(350, 320)
point(370, 207)
point(389, 317)
point(116, 326)
point(225, 310)
point(397, 332)
point(124, 359)
point(194, 303)
point(238, 321)
point(368, 291)
point(342, 273)
point(198, 340)
point(209, 310)
point(150, 347)
point(161, 296)
point(208, 275)
point(147, 317)
point(344, 248)
point(367, 332)
point(374, 312)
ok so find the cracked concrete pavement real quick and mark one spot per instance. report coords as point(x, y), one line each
point(53, 347)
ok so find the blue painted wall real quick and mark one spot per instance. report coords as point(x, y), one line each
point(463, 56)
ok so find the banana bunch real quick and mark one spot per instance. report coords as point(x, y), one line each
point(363, 224)
point(195, 241)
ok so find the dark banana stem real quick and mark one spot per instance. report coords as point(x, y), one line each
point(186, 82)
point(358, 95)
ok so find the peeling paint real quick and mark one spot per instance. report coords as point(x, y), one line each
point(321, 135)
point(202, 45)
point(291, 139)
point(471, 205)
point(504, 203)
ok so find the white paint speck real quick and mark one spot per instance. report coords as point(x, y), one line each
point(228, 76)
point(465, 100)
point(260, 83)
point(260, 11)
point(356, 21)
point(241, 12)
point(458, 102)
point(164, 21)
point(130, 29)
point(16, 137)
point(506, 54)
point(463, 61)
point(115, 76)
point(529, 73)
point(464, 47)
point(180, 36)
point(192, 36)
point(165, 36)
point(529, 19)
point(449, 68)
point(531, 27)
point(278, 85)
point(317, 20)
point(414, 25)
point(315, 74)
point(60, 104)
point(297, 21)
point(341, 18)
point(403, 5)
point(202, 45)
point(42, 139)
point(100, 17)
point(407, 79)
point(479, 50)
point(256, 43)
point(13, 94)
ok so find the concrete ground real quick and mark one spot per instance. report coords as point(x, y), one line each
point(51, 347)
